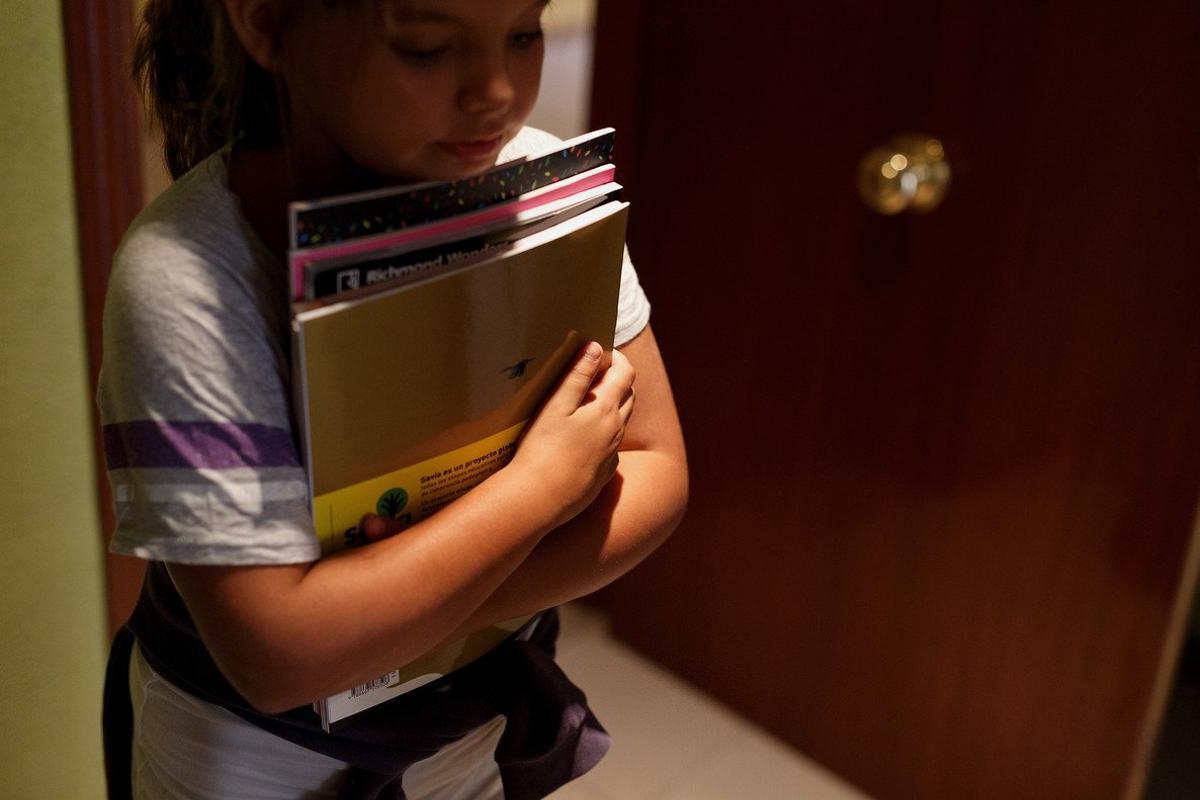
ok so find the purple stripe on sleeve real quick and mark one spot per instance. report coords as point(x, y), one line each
point(198, 445)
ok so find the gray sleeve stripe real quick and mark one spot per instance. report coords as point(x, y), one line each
point(265, 492)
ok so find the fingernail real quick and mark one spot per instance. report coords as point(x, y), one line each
point(593, 351)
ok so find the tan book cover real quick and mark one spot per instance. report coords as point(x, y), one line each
point(410, 396)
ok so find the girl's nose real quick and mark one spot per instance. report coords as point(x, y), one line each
point(488, 87)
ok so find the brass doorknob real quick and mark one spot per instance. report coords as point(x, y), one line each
point(910, 173)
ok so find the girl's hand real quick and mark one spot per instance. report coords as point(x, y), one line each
point(569, 450)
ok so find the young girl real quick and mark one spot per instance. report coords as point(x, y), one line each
point(240, 627)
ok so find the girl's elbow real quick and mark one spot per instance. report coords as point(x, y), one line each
point(271, 681)
point(266, 694)
point(268, 704)
point(672, 505)
point(681, 504)
point(683, 489)
point(273, 705)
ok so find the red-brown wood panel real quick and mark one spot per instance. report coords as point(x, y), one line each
point(106, 141)
point(945, 467)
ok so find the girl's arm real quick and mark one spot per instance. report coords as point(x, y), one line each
point(284, 635)
point(633, 515)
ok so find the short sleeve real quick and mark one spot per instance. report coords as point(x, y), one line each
point(193, 398)
point(633, 309)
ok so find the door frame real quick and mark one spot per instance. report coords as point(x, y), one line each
point(106, 150)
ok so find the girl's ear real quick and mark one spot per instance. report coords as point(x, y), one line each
point(258, 25)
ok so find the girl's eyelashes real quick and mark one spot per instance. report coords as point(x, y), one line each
point(526, 39)
point(421, 55)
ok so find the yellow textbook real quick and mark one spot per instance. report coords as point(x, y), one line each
point(409, 396)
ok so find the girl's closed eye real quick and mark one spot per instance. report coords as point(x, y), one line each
point(421, 53)
point(426, 53)
point(526, 39)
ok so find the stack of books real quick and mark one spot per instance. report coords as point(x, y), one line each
point(429, 322)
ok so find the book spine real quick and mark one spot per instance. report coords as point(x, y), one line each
point(334, 221)
point(337, 276)
point(299, 259)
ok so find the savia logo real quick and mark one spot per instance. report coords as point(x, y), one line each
point(391, 503)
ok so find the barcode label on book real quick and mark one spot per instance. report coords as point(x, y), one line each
point(381, 682)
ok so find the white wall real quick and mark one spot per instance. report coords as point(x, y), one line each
point(562, 106)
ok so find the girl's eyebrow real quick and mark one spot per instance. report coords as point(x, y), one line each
point(405, 12)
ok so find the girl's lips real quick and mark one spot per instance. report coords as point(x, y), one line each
point(473, 150)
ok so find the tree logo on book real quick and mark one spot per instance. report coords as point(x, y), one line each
point(391, 503)
point(348, 280)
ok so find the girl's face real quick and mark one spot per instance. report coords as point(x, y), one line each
point(410, 89)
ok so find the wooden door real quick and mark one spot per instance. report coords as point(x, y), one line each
point(944, 466)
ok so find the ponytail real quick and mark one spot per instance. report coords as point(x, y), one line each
point(199, 83)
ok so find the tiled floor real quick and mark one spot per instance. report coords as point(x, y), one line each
point(670, 742)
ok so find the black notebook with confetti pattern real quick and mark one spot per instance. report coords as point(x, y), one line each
point(452, 243)
point(355, 223)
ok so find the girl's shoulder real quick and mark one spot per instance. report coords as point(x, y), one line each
point(196, 216)
point(191, 242)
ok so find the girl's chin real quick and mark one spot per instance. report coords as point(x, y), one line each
point(439, 167)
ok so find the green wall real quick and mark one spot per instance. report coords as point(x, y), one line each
point(52, 624)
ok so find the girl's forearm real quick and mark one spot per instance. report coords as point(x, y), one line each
point(635, 513)
point(287, 635)
point(416, 590)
